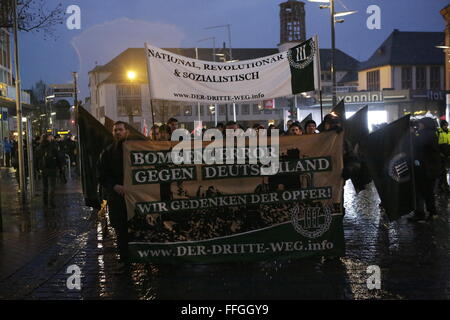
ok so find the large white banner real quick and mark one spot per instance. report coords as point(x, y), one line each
point(175, 77)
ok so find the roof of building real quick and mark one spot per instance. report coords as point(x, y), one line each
point(342, 61)
point(408, 48)
point(351, 76)
point(134, 59)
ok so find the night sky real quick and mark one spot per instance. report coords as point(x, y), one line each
point(110, 26)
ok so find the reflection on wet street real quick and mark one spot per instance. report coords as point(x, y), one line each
point(37, 246)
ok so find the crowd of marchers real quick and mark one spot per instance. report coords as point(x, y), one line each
point(52, 156)
point(430, 151)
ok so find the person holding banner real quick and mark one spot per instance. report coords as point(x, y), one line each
point(173, 124)
point(295, 129)
point(110, 168)
point(310, 127)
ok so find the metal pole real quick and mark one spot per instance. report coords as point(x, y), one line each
point(229, 40)
point(214, 49)
point(74, 74)
point(321, 107)
point(198, 103)
point(333, 71)
point(18, 109)
point(296, 108)
point(234, 112)
point(30, 157)
point(215, 114)
point(150, 90)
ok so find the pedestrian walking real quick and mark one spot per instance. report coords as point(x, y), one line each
point(7, 149)
point(48, 162)
point(62, 158)
point(110, 168)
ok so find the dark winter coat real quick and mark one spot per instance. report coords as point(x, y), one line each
point(426, 149)
point(110, 167)
point(47, 157)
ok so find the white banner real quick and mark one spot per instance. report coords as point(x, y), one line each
point(175, 77)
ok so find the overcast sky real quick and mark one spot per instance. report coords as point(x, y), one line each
point(110, 26)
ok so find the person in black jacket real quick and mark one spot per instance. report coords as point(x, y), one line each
point(48, 163)
point(110, 168)
point(427, 166)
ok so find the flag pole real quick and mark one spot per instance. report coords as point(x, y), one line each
point(20, 155)
point(150, 91)
point(319, 76)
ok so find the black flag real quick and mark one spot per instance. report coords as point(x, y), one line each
point(356, 129)
point(339, 110)
point(357, 132)
point(94, 137)
point(389, 158)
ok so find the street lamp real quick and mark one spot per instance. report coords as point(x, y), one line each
point(333, 16)
point(228, 26)
point(214, 46)
point(131, 75)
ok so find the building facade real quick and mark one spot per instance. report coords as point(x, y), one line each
point(8, 120)
point(407, 72)
point(59, 109)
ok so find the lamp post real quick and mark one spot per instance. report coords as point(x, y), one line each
point(20, 146)
point(214, 46)
point(228, 26)
point(333, 15)
point(131, 75)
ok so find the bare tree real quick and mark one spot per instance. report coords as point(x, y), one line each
point(33, 15)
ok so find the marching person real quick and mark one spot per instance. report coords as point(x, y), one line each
point(427, 163)
point(110, 168)
point(173, 124)
point(295, 130)
point(7, 149)
point(48, 163)
point(310, 127)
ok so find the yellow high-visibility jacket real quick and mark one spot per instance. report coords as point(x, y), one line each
point(444, 137)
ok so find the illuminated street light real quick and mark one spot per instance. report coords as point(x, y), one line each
point(131, 75)
point(228, 26)
point(344, 13)
point(333, 16)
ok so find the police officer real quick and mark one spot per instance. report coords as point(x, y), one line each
point(444, 148)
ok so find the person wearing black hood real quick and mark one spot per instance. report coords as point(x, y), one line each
point(48, 162)
point(427, 166)
point(110, 168)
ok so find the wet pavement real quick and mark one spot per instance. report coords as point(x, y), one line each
point(38, 245)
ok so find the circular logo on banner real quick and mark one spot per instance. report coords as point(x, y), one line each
point(311, 222)
point(398, 168)
point(299, 58)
